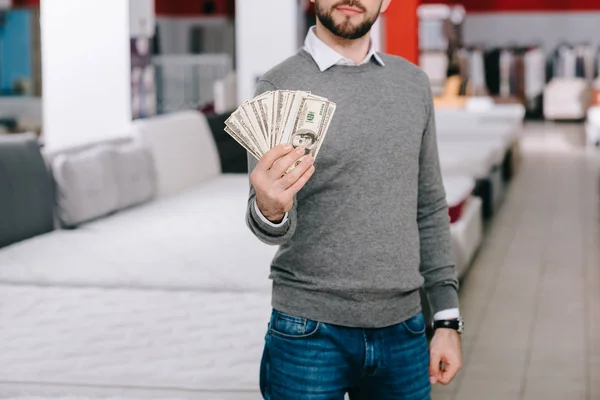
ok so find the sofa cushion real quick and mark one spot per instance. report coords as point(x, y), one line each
point(26, 190)
point(134, 174)
point(183, 149)
point(234, 158)
point(86, 184)
point(50, 155)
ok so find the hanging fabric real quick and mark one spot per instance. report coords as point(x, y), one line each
point(477, 85)
point(506, 61)
point(492, 71)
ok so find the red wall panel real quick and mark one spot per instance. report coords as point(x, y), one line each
point(190, 8)
point(401, 29)
point(523, 5)
point(25, 3)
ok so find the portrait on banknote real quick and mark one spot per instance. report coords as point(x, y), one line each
point(305, 138)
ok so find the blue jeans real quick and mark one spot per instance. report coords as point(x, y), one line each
point(311, 360)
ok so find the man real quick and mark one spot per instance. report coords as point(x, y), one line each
point(360, 236)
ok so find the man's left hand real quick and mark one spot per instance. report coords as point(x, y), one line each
point(446, 356)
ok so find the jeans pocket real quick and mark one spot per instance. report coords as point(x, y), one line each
point(292, 327)
point(415, 326)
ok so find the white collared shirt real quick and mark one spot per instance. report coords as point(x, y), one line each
point(325, 57)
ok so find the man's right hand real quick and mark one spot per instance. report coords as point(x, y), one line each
point(275, 190)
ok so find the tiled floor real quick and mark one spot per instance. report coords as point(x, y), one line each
point(532, 298)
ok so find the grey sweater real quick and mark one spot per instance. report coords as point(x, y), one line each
point(371, 226)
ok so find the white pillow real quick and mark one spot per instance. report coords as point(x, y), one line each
point(86, 185)
point(134, 174)
point(183, 149)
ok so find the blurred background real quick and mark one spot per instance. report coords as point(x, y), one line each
point(126, 268)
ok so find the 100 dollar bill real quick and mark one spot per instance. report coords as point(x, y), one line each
point(312, 116)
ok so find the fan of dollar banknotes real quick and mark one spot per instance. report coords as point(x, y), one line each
point(282, 116)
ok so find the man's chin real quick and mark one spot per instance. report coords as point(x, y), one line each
point(346, 27)
point(351, 34)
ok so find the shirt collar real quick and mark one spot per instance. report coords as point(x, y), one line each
point(326, 57)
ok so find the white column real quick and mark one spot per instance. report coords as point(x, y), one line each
point(266, 34)
point(86, 70)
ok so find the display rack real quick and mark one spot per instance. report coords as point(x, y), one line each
point(440, 41)
point(186, 82)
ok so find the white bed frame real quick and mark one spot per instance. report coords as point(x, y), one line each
point(480, 160)
point(467, 235)
point(467, 231)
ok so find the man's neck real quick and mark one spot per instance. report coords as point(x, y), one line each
point(355, 50)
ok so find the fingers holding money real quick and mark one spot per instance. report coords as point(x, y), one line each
point(299, 184)
point(275, 189)
point(272, 156)
point(284, 164)
point(299, 171)
point(279, 160)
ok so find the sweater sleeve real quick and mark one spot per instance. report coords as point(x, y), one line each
point(437, 266)
point(272, 234)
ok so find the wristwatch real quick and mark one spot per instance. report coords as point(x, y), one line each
point(456, 324)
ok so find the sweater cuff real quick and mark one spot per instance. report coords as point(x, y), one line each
point(266, 226)
point(442, 297)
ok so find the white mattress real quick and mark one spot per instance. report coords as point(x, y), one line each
point(505, 134)
point(495, 147)
point(458, 188)
point(486, 107)
point(512, 114)
point(466, 159)
point(567, 98)
point(467, 235)
point(117, 342)
point(171, 243)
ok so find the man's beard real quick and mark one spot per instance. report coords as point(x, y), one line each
point(346, 30)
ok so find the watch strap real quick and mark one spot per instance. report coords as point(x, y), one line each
point(456, 324)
